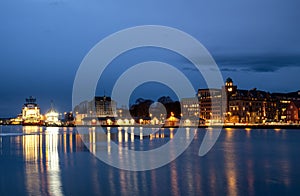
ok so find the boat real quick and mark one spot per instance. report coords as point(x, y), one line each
point(52, 117)
point(31, 112)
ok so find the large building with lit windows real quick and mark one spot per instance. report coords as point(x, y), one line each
point(190, 107)
point(210, 104)
point(98, 110)
point(232, 105)
point(251, 106)
point(105, 106)
point(293, 112)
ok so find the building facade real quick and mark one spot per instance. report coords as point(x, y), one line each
point(293, 112)
point(105, 106)
point(210, 104)
point(190, 107)
point(101, 108)
point(232, 105)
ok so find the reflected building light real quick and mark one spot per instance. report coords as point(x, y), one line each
point(71, 143)
point(53, 159)
point(171, 133)
point(31, 143)
point(120, 136)
point(162, 134)
point(154, 182)
point(174, 179)
point(230, 166)
point(132, 134)
point(92, 140)
point(126, 135)
point(187, 133)
point(250, 178)
point(65, 142)
point(47, 169)
point(248, 130)
point(108, 141)
point(229, 133)
point(54, 181)
point(108, 135)
point(232, 186)
point(141, 133)
point(151, 136)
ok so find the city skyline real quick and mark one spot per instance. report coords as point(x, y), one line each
point(133, 99)
point(44, 42)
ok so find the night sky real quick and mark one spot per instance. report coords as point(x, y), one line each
point(42, 43)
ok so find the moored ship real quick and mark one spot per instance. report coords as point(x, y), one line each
point(31, 112)
point(52, 117)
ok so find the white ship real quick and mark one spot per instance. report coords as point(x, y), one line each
point(31, 112)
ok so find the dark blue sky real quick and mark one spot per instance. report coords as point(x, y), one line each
point(43, 42)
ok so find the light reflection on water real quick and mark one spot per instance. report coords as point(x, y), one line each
point(54, 161)
point(41, 147)
point(230, 163)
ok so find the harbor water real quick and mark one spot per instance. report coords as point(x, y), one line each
point(55, 161)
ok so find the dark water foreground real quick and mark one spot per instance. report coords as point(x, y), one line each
point(54, 161)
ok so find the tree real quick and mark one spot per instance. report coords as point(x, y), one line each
point(170, 106)
point(141, 108)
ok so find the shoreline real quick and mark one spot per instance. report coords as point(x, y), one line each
point(206, 126)
point(252, 126)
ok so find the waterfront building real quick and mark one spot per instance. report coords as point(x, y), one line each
point(101, 110)
point(124, 117)
point(251, 106)
point(105, 106)
point(172, 121)
point(210, 104)
point(283, 101)
point(100, 106)
point(234, 105)
point(190, 107)
point(190, 111)
point(31, 112)
point(293, 112)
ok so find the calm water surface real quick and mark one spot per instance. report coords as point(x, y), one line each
point(54, 161)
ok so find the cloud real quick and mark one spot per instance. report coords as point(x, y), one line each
point(251, 64)
point(190, 69)
point(228, 69)
point(258, 64)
